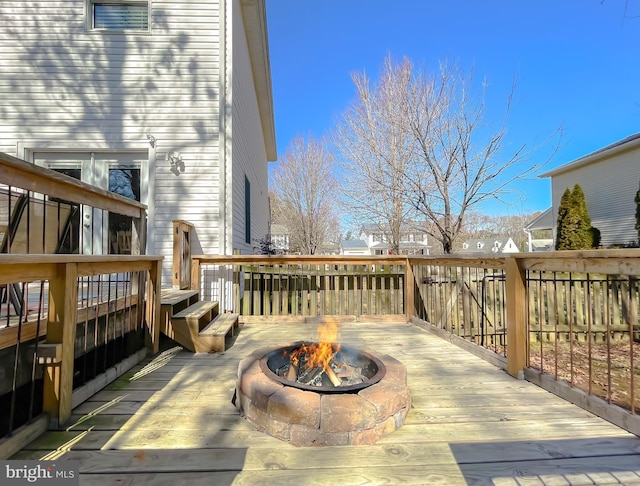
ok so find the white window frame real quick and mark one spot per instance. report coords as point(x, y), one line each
point(90, 9)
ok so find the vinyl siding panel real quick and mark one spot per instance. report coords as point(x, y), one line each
point(249, 152)
point(610, 185)
point(64, 87)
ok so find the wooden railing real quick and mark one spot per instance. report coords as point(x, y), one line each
point(309, 286)
point(567, 318)
point(72, 317)
point(60, 281)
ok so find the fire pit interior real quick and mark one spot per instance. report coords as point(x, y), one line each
point(349, 369)
point(314, 394)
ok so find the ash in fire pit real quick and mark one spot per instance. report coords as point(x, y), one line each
point(343, 368)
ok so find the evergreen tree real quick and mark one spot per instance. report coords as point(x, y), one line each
point(574, 230)
point(562, 242)
point(583, 237)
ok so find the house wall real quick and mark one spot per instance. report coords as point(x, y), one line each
point(248, 148)
point(610, 186)
point(66, 87)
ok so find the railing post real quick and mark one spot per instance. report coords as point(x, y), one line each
point(181, 254)
point(153, 307)
point(61, 327)
point(516, 317)
point(138, 234)
point(409, 291)
point(195, 274)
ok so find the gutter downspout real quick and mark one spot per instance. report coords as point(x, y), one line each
point(224, 93)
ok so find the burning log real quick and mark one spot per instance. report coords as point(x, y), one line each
point(335, 381)
point(308, 376)
point(292, 372)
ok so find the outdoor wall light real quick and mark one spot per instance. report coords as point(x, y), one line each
point(152, 139)
point(176, 162)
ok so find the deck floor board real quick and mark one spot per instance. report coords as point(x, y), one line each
point(171, 421)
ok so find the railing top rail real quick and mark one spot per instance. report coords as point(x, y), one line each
point(459, 261)
point(617, 262)
point(183, 221)
point(303, 259)
point(21, 258)
point(585, 254)
point(24, 175)
point(29, 268)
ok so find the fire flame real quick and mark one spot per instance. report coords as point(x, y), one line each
point(318, 354)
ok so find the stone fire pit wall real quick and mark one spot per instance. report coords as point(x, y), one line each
point(309, 418)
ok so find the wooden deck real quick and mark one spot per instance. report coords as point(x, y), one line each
point(171, 422)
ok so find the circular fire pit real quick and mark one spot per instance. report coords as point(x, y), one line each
point(367, 397)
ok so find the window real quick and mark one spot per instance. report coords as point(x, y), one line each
point(247, 210)
point(119, 15)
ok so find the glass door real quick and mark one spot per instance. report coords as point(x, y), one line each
point(119, 172)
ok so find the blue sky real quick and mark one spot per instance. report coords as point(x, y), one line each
point(577, 64)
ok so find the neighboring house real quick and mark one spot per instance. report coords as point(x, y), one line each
point(168, 102)
point(413, 239)
point(280, 239)
point(354, 247)
point(609, 179)
point(490, 245)
point(543, 222)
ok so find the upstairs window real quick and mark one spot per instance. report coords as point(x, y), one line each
point(119, 15)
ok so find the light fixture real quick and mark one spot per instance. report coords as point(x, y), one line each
point(175, 161)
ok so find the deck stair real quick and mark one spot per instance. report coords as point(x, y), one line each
point(197, 325)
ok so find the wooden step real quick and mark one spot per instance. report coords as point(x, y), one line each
point(171, 302)
point(213, 337)
point(175, 297)
point(188, 323)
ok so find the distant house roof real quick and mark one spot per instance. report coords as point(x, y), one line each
point(628, 143)
point(543, 221)
point(487, 245)
point(384, 227)
point(279, 229)
point(353, 244)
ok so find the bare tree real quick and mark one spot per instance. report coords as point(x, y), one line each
point(377, 146)
point(461, 159)
point(307, 192)
point(419, 147)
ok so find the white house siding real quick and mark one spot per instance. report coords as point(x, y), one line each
point(64, 87)
point(610, 186)
point(248, 147)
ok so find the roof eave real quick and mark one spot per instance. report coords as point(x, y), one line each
point(255, 22)
point(624, 145)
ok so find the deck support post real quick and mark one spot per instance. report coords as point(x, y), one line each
point(516, 317)
point(153, 307)
point(61, 327)
point(409, 291)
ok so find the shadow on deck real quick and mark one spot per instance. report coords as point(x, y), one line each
point(170, 421)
